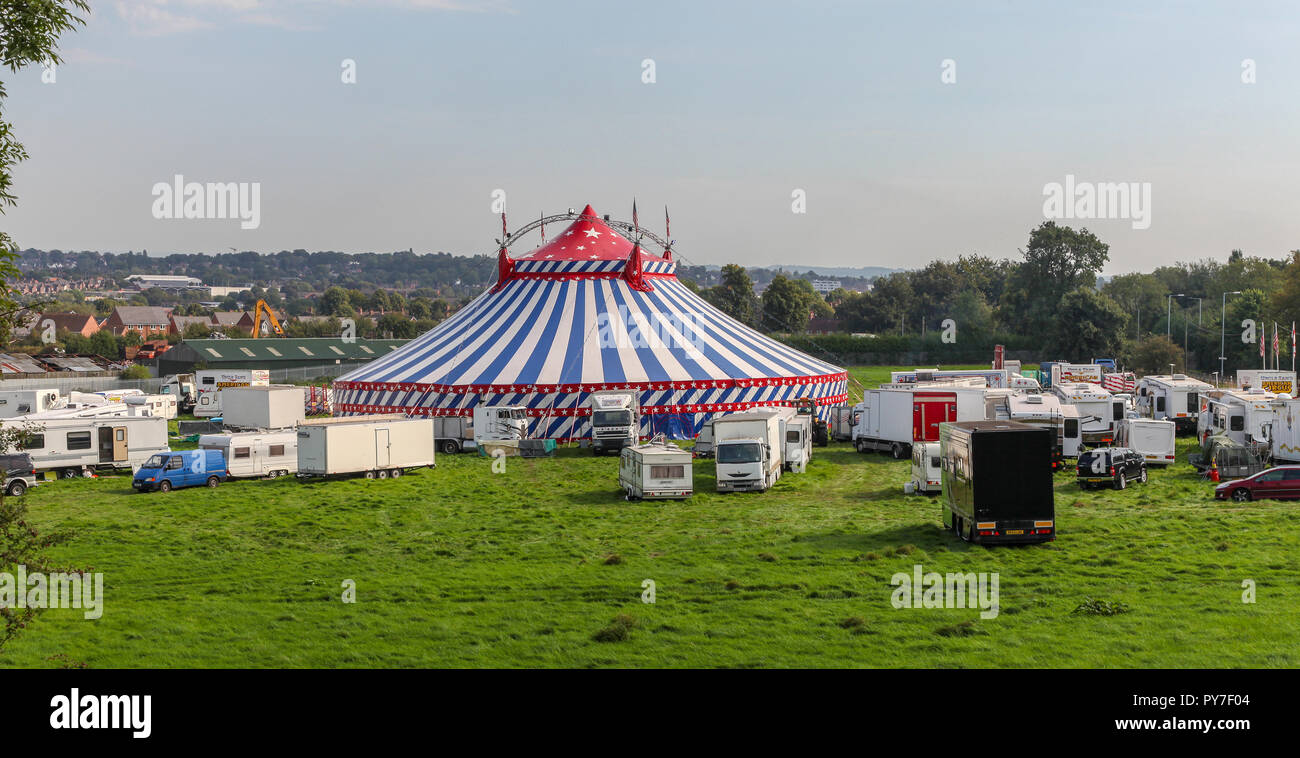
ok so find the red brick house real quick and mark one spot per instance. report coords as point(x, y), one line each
point(77, 323)
point(141, 319)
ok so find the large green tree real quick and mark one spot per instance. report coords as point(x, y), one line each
point(1057, 261)
point(1088, 325)
point(786, 305)
point(734, 296)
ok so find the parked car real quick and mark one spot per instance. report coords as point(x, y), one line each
point(1116, 466)
point(1279, 483)
point(19, 473)
point(182, 468)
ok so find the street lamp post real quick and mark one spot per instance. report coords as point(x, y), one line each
point(1169, 330)
point(1223, 326)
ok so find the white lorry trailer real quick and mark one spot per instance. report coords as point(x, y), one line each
point(26, 402)
point(1153, 439)
point(657, 470)
point(615, 420)
point(257, 407)
point(72, 446)
point(1175, 398)
point(376, 447)
point(256, 454)
point(1098, 409)
point(892, 418)
point(210, 383)
point(748, 448)
point(1277, 382)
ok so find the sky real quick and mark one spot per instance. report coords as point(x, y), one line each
point(798, 133)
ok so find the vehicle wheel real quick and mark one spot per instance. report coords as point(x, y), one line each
point(395, 473)
point(213, 482)
point(272, 474)
point(164, 486)
point(450, 447)
point(1121, 482)
point(18, 488)
point(896, 450)
point(1142, 477)
point(69, 473)
point(369, 475)
point(1241, 495)
point(383, 474)
point(857, 444)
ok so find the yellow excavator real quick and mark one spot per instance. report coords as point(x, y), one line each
point(271, 320)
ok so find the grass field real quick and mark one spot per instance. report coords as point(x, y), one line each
point(462, 567)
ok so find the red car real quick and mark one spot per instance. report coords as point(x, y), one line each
point(1279, 483)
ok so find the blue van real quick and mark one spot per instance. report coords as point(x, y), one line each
point(181, 468)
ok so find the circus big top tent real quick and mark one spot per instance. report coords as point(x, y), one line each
point(590, 310)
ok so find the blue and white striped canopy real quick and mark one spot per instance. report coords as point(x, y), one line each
point(556, 330)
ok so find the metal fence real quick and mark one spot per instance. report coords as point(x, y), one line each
point(310, 373)
point(68, 382)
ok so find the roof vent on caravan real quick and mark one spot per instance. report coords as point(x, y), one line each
point(1034, 399)
point(1180, 377)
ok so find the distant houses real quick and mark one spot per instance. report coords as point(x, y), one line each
point(145, 320)
point(76, 323)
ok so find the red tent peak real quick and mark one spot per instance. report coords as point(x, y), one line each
point(588, 238)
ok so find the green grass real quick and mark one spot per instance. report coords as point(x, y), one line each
point(543, 566)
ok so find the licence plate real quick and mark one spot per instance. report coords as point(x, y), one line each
point(1014, 531)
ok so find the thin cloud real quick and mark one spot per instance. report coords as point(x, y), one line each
point(163, 17)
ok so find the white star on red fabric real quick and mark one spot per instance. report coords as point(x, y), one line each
point(591, 233)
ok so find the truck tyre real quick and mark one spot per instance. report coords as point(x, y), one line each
point(395, 473)
point(164, 486)
point(369, 475)
point(896, 450)
point(18, 488)
point(213, 482)
point(450, 447)
point(383, 474)
point(857, 444)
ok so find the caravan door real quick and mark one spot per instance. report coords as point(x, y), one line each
point(112, 444)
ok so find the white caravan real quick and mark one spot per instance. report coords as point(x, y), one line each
point(1071, 432)
point(1241, 415)
point(657, 470)
point(15, 403)
point(1098, 409)
point(1285, 444)
point(927, 469)
point(72, 446)
point(748, 448)
point(210, 383)
point(1175, 398)
point(1042, 409)
point(163, 406)
point(798, 444)
point(377, 447)
point(256, 454)
point(1153, 439)
point(271, 406)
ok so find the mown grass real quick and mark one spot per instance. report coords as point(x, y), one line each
point(544, 564)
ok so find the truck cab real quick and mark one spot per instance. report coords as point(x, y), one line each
point(743, 464)
point(500, 422)
point(614, 421)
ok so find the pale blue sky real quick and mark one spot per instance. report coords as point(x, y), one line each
point(752, 100)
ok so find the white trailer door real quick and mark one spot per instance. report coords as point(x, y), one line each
point(381, 448)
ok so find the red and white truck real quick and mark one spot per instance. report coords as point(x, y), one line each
point(892, 418)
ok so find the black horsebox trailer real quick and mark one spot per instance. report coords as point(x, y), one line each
point(997, 481)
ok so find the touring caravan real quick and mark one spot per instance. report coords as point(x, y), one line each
point(256, 454)
point(1098, 410)
point(1153, 439)
point(927, 469)
point(73, 445)
point(656, 470)
point(25, 402)
point(1175, 398)
point(798, 443)
point(1244, 416)
point(163, 406)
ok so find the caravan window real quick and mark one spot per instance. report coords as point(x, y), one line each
point(1238, 423)
point(1071, 428)
point(78, 440)
point(667, 472)
point(276, 450)
point(1193, 402)
point(241, 452)
point(1160, 403)
point(1118, 411)
point(33, 442)
point(25, 408)
point(209, 380)
point(792, 435)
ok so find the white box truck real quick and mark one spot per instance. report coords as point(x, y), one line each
point(1276, 382)
point(256, 454)
point(615, 420)
point(657, 470)
point(1175, 398)
point(376, 447)
point(893, 418)
point(1153, 439)
point(210, 383)
point(747, 449)
point(72, 446)
point(270, 406)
